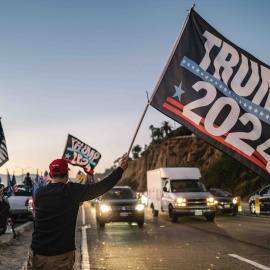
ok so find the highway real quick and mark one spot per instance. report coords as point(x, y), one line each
point(240, 242)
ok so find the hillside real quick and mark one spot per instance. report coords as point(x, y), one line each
point(218, 170)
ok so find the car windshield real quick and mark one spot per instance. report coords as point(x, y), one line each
point(188, 185)
point(228, 193)
point(217, 193)
point(119, 194)
point(23, 191)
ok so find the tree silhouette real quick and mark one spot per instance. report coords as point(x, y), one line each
point(117, 161)
point(158, 134)
point(136, 151)
point(166, 128)
point(152, 128)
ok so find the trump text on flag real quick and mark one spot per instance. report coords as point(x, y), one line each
point(80, 154)
point(220, 92)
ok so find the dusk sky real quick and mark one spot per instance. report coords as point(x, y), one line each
point(83, 68)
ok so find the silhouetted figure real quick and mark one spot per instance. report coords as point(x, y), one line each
point(27, 180)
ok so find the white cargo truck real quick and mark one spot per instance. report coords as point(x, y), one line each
point(180, 192)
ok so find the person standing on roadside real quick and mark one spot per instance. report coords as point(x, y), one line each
point(56, 210)
point(27, 180)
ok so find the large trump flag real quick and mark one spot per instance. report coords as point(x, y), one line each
point(218, 91)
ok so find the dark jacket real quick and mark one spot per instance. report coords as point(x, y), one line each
point(27, 181)
point(56, 210)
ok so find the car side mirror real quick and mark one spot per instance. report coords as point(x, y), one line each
point(165, 189)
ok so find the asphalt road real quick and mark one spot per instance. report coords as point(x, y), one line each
point(229, 242)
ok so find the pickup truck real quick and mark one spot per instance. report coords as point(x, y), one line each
point(179, 192)
point(19, 202)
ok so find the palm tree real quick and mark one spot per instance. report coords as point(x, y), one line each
point(166, 128)
point(158, 133)
point(136, 150)
point(152, 128)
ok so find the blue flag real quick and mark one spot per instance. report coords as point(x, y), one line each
point(35, 185)
point(42, 182)
point(34, 188)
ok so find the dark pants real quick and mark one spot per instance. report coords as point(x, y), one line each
point(63, 261)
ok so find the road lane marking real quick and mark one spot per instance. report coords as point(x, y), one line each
point(250, 262)
point(85, 265)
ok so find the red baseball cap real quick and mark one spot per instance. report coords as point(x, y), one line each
point(59, 166)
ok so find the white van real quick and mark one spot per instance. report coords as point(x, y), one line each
point(179, 192)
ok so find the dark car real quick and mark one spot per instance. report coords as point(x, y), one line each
point(229, 194)
point(264, 200)
point(120, 204)
point(225, 204)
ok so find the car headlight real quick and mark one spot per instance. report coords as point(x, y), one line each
point(144, 199)
point(139, 207)
point(234, 201)
point(180, 200)
point(211, 201)
point(105, 208)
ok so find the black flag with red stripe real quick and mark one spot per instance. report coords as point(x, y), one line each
point(218, 91)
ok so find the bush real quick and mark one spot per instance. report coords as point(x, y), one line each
point(230, 175)
point(131, 183)
point(181, 131)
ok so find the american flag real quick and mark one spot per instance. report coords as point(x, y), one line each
point(89, 179)
point(80, 176)
point(3, 147)
point(9, 188)
point(14, 184)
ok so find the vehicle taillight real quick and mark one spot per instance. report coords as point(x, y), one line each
point(26, 202)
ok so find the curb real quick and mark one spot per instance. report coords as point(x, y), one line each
point(262, 215)
point(5, 238)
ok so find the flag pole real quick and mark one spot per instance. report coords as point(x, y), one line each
point(138, 127)
point(160, 77)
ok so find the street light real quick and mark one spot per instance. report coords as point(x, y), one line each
point(22, 171)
